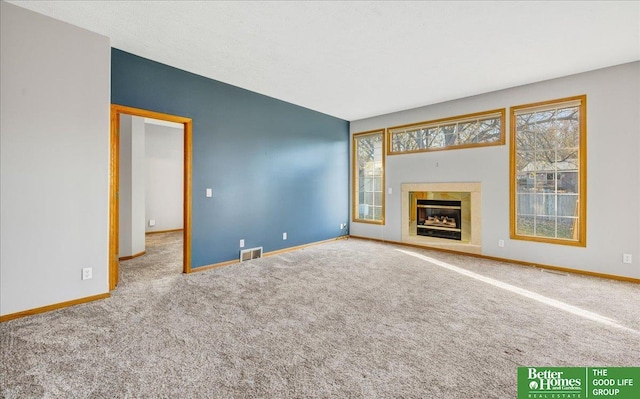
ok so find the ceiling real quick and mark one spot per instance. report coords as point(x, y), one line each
point(357, 59)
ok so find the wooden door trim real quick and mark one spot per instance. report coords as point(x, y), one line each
point(114, 180)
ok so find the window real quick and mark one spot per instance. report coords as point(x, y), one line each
point(368, 177)
point(473, 130)
point(548, 171)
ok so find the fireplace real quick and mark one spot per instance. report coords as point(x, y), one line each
point(466, 195)
point(439, 218)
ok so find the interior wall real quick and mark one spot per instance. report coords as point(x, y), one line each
point(273, 167)
point(164, 158)
point(131, 230)
point(613, 170)
point(54, 143)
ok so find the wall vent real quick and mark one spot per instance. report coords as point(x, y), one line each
point(251, 253)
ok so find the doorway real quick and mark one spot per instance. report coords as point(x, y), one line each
point(116, 112)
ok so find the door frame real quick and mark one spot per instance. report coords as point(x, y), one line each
point(114, 183)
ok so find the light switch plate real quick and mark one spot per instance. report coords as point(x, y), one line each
point(209, 193)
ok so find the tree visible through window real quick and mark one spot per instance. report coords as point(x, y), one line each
point(473, 130)
point(368, 177)
point(548, 173)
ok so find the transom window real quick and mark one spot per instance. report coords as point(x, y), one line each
point(368, 177)
point(473, 130)
point(548, 171)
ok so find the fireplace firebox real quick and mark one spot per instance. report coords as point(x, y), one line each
point(439, 218)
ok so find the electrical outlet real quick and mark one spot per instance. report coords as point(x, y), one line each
point(501, 243)
point(284, 236)
point(152, 222)
point(626, 258)
point(87, 273)
point(241, 243)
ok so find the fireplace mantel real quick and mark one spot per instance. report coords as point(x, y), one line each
point(470, 192)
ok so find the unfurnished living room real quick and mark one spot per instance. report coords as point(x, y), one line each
point(318, 199)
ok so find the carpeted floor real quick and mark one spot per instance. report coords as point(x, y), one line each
point(350, 318)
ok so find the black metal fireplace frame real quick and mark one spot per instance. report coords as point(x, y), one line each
point(452, 209)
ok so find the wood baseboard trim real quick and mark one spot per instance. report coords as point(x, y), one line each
point(162, 231)
point(507, 260)
point(132, 256)
point(298, 247)
point(213, 266)
point(55, 306)
point(271, 253)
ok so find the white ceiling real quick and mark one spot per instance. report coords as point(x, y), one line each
point(359, 59)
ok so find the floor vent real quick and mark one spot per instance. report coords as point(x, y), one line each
point(251, 253)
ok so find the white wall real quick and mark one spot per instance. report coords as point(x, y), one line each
point(164, 156)
point(132, 186)
point(54, 143)
point(613, 170)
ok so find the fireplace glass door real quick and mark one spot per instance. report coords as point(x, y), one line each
point(439, 218)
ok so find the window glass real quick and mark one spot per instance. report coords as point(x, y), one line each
point(368, 177)
point(548, 171)
point(474, 130)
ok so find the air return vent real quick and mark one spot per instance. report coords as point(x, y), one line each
point(251, 253)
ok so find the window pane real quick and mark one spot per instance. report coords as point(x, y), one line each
point(377, 198)
point(544, 183)
point(438, 139)
point(377, 184)
point(526, 182)
point(545, 204)
point(545, 138)
point(486, 129)
point(368, 184)
point(377, 170)
point(546, 150)
point(567, 204)
point(524, 159)
point(368, 163)
point(567, 159)
point(362, 211)
point(466, 132)
point(431, 135)
point(368, 198)
point(567, 228)
point(525, 225)
point(568, 182)
point(545, 226)
point(450, 139)
point(526, 204)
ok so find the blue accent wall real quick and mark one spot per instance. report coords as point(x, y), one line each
point(273, 166)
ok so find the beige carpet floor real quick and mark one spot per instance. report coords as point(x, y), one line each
point(345, 319)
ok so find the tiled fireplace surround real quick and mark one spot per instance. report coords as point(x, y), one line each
point(470, 196)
